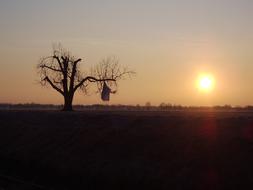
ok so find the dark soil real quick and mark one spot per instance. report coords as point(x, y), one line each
point(126, 150)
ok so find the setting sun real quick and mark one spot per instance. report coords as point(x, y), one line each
point(205, 83)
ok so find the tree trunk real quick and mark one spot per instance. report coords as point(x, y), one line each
point(68, 99)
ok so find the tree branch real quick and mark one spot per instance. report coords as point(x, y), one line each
point(59, 61)
point(124, 73)
point(53, 86)
point(90, 79)
point(51, 68)
point(73, 74)
point(75, 62)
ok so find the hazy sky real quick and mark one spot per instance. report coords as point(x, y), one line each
point(167, 42)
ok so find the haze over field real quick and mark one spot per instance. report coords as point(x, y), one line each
point(174, 46)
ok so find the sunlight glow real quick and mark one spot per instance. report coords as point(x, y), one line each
point(205, 83)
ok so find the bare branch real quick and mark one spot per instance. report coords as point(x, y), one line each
point(75, 62)
point(110, 68)
point(53, 86)
point(73, 74)
point(59, 62)
point(51, 68)
point(126, 72)
point(91, 79)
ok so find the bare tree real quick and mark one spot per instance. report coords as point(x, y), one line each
point(61, 71)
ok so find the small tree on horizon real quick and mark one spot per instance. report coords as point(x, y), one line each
point(61, 71)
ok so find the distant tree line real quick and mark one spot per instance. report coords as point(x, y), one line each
point(119, 107)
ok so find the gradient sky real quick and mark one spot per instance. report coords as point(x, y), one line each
point(167, 42)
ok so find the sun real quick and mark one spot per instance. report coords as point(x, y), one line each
point(205, 83)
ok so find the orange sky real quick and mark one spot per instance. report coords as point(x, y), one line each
point(168, 43)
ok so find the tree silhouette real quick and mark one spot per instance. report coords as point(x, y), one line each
point(61, 71)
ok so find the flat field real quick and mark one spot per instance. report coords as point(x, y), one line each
point(126, 150)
